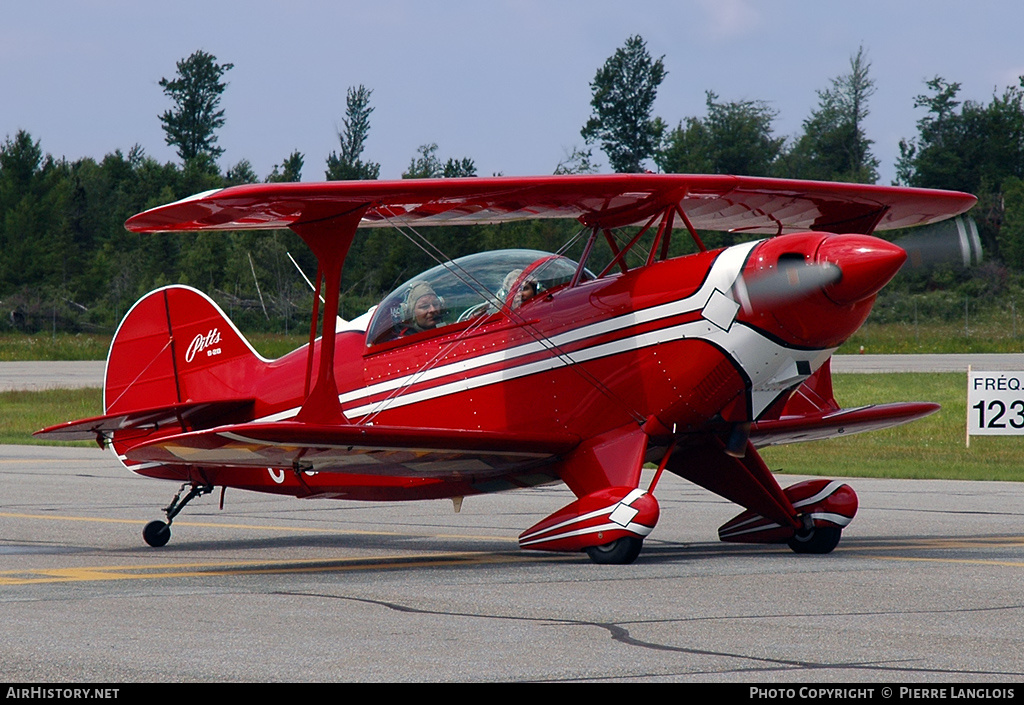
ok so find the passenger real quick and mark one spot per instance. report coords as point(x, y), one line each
point(506, 286)
point(529, 289)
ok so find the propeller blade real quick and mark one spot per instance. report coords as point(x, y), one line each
point(952, 242)
point(790, 281)
point(846, 269)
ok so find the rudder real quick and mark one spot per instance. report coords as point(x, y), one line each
point(177, 346)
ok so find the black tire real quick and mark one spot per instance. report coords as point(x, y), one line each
point(821, 539)
point(619, 552)
point(156, 533)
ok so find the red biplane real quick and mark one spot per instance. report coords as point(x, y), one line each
point(516, 368)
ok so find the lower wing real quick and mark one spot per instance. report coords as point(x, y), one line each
point(833, 423)
point(367, 450)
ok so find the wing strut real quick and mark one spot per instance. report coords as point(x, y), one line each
point(581, 267)
point(619, 258)
point(317, 299)
point(693, 231)
point(329, 239)
point(664, 236)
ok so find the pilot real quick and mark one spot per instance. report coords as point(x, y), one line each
point(421, 310)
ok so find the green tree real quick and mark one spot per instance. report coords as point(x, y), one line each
point(1011, 234)
point(624, 90)
point(935, 156)
point(741, 135)
point(687, 149)
point(348, 164)
point(834, 146)
point(289, 170)
point(20, 160)
point(241, 173)
point(427, 165)
point(734, 138)
point(32, 192)
point(576, 161)
point(968, 146)
point(458, 168)
point(192, 123)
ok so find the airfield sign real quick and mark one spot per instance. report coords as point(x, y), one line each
point(995, 403)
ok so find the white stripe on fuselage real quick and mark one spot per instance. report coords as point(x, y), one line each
point(768, 364)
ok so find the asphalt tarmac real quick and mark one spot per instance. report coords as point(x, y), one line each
point(925, 587)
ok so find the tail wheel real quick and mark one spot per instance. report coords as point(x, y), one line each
point(619, 552)
point(818, 539)
point(156, 533)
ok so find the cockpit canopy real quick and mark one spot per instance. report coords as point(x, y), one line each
point(467, 289)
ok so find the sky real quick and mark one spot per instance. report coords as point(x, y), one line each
point(503, 82)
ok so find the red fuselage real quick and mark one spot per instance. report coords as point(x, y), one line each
point(648, 343)
point(668, 347)
point(667, 344)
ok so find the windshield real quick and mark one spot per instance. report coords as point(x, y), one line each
point(471, 286)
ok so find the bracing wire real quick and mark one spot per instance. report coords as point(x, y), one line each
point(514, 316)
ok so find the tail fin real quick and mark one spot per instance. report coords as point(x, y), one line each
point(176, 346)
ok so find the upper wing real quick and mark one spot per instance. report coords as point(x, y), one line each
point(710, 202)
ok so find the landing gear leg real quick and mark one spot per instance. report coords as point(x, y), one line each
point(157, 533)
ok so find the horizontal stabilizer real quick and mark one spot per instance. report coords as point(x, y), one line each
point(182, 416)
point(833, 423)
point(380, 450)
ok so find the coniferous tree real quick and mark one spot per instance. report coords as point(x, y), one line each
point(289, 170)
point(624, 90)
point(834, 146)
point(191, 125)
point(347, 164)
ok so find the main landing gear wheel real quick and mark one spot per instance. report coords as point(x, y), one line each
point(819, 539)
point(157, 533)
point(619, 552)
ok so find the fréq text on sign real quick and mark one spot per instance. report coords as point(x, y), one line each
point(995, 403)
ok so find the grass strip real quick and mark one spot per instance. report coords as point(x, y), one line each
point(932, 448)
